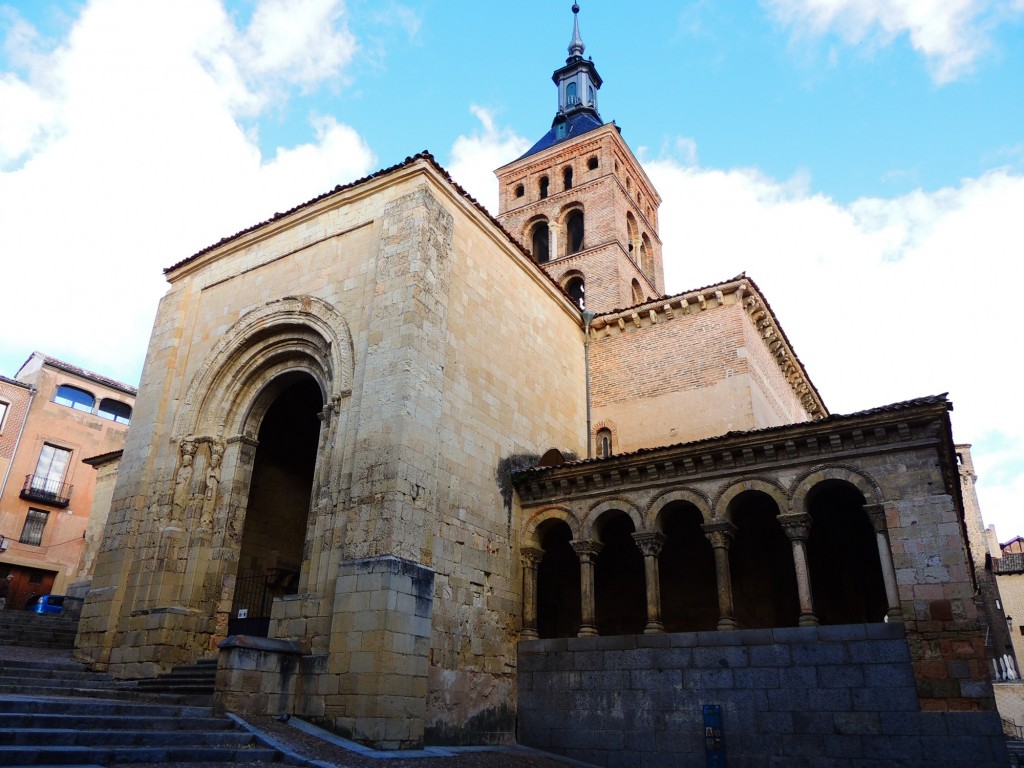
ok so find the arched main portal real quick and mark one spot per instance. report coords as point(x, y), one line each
point(274, 532)
point(842, 553)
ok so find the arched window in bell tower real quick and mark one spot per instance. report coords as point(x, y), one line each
point(638, 293)
point(543, 187)
point(567, 177)
point(539, 238)
point(574, 231)
point(576, 289)
point(570, 95)
point(646, 256)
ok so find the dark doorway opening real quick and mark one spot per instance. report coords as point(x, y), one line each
point(761, 565)
point(558, 582)
point(689, 597)
point(842, 554)
point(619, 584)
point(274, 535)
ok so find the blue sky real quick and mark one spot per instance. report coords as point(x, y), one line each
point(862, 160)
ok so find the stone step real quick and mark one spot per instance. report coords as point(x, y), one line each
point(35, 721)
point(110, 708)
point(46, 755)
point(74, 731)
point(35, 673)
point(137, 737)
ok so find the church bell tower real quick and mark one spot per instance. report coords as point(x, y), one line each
point(580, 202)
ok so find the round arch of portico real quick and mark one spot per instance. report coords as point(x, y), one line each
point(764, 485)
point(805, 483)
point(652, 516)
point(565, 515)
point(590, 529)
point(289, 335)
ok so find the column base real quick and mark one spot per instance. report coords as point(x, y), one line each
point(587, 630)
point(529, 634)
point(654, 628)
point(727, 622)
point(808, 620)
point(894, 614)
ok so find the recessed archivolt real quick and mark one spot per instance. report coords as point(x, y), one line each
point(292, 334)
point(862, 482)
point(598, 515)
point(652, 517)
point(761, 484)
point(567, 516)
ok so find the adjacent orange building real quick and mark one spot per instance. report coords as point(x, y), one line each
point(53, 415)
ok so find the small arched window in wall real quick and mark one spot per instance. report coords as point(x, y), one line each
point(567, 177)
point(570, 94)
point(543, 186)
point(592, 163)
point(73, 397)
point(638, 294)
point(576, 289)
point(539, 238)
point(647, 256)
point(115, 411)
point(574, 231)
point(604, 443)
point(520, 190)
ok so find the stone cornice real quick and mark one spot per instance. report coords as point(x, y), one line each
point(738, 291)
point(836, 439)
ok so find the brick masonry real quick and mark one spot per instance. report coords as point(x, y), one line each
point(828, 697)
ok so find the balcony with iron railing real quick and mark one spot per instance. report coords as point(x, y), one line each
point(43, 490)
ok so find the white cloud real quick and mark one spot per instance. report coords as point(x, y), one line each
point(950, 34)
point(883, 299)
point(474, 158)
point(134, 160)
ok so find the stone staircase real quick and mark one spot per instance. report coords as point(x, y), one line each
point(1016, 749)
point(58, 713)
point(32, 630)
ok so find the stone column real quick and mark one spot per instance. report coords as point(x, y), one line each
point(720, 535)
point(650, 543)
point(876, 514)
point(531, 557)
point(587, 551)
point(798, 528)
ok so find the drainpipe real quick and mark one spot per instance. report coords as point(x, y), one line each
point(588, 318)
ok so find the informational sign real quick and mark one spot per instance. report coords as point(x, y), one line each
point(714, 741)
point(243, 612)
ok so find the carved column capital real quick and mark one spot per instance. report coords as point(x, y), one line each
point(719, 534)
point(797, 527)
point(531, 556)
point(649, 542)
point(587, 549)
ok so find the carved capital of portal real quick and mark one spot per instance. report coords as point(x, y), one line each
point(531, 556)
point(587, 550)
point(719, 534)
point(649, 542)
point(797, 527)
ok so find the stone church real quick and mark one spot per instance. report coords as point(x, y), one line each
point(426, 475)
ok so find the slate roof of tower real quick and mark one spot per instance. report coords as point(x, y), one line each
point(577, 124)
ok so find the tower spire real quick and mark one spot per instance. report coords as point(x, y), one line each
point(576, 46)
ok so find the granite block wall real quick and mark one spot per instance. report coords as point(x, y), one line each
point(827, 697)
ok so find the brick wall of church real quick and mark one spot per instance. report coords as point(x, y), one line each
point(686, 375)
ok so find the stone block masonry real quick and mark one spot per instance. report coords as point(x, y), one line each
point(836, 696)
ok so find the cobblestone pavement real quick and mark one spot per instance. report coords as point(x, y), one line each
point(304, 749)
